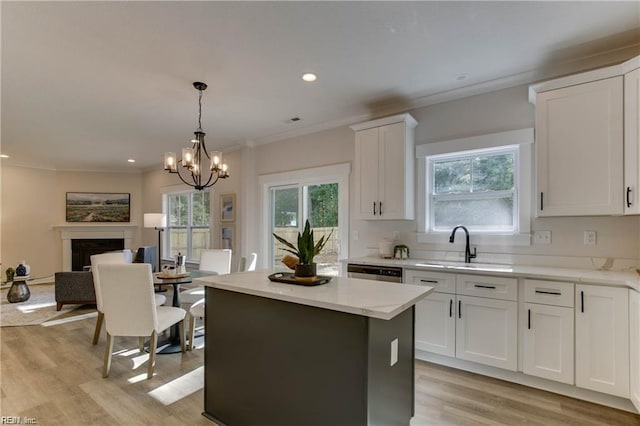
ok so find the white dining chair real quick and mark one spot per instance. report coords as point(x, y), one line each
point(214, 260)
point(251, 262)
point(130, 309)
point(245, 265)
point(108, 258)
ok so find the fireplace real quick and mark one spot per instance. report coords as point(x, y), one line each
point(83, 249)
point(69, 233)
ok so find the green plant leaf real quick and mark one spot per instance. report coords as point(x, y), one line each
point(285, 242)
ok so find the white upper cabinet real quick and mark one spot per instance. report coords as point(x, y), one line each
point(587, 143)
point(579, 131)
point(384, 168)
point(632, 142)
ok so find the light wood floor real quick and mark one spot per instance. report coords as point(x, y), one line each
point(53, 375)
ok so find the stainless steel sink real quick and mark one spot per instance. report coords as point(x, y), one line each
point(468, 266)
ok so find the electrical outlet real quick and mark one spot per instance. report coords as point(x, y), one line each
point(396, 235)
point(356, 235)
point(394, 352)
point(542, 237)
point(590, 238)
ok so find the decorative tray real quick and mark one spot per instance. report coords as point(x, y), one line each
point(164, 276)
point(288, 278)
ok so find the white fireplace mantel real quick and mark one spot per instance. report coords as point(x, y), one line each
point(82, 231)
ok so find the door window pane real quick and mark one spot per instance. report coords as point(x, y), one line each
point(323, 217)
point(285, 206)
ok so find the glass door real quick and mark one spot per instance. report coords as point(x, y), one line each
point(291, 206)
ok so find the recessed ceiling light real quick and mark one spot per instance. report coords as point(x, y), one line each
point(462, 77)
point(4, 156)
point(131, 160)
point(309, 77)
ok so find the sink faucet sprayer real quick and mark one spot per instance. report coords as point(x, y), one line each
point(467, 250)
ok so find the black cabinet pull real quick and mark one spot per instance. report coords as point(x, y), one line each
point(541, 201)
point(374, 208)
point(380, 208)
point(628, 193)
point(492, 287)
point(429, 281)
point(459, 309)
point(529, 319)
point(555, 293)
point(450, 308)
point(582, 301)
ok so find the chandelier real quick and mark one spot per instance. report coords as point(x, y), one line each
point(194, 157)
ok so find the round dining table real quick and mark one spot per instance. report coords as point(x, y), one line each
point(171, 345)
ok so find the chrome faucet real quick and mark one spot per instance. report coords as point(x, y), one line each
point(467, 250)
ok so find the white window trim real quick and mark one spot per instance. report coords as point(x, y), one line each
point(336, 173)
point(524, 138)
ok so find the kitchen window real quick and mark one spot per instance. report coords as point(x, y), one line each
point(188, 224)
point(474, 188)
point(483, 183)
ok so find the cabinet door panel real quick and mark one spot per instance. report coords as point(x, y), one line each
point(548, 342)
point(435, 324)
point(579, 143)
point(602, 339)
point(634, 341)
point(367, 165)
point(486, 331)
point(632, 142)
point(392, 171)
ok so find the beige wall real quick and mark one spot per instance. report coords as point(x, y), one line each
point(497, 111)
point(33, 200)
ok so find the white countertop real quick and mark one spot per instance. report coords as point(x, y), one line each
point(611, 278)
point(376, 299)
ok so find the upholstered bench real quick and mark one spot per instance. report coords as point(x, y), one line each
point(74, 288)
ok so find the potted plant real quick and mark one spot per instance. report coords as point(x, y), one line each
point(305, 251)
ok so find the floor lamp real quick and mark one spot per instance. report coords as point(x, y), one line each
point(157, 221)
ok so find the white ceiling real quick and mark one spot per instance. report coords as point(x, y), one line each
point(87, 85)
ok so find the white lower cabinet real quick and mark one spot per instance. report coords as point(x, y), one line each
point(602, 339)
point(435, 329)
point(548, 342)
point(487, 332)
point(480, 329)
point(548, 348)
point(634, 342)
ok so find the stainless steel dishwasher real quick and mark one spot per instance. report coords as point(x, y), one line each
point(375, 272)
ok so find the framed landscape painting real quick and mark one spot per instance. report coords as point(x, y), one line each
point(98, 207)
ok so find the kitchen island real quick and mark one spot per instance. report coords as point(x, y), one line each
point(341, 353)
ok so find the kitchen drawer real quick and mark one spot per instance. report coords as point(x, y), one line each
point(489, 287)
point(441, 282)
point(549, 293)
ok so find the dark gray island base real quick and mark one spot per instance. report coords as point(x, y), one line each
point(274, 362)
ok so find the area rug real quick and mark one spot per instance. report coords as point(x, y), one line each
point(40, 308)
